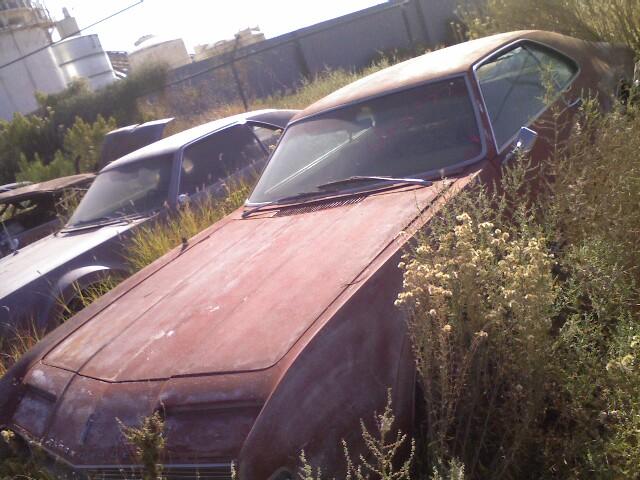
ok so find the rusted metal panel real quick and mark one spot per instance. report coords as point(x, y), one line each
point(244, 265)
point(47, 187)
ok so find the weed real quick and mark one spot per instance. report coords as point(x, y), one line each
point(151, 242)
point(149, 442)
point(20, 342)
point(383, 453)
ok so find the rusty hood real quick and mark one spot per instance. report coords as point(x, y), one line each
point(241, 295)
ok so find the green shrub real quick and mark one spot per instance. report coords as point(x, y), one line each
point(80, 154)
point(118, 100)
point(25, 137)
point(72, 122)
point(37, 171)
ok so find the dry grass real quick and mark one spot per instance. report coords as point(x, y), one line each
point(525, 317)
point(12, 349)
point(151, 242)
point(616, 21)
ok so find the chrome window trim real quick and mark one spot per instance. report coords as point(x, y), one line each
point(474, 105)
point(497, 53)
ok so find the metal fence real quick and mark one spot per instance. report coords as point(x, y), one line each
point(279, 64)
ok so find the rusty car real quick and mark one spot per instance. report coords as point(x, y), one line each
point(274, 330)
point(46, 280)
point(33, 211)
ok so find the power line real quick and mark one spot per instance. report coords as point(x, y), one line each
point(19, 59)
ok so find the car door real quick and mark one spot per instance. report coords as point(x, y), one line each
point(527, 85)
point(225, 159)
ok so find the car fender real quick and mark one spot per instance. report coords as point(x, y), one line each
point(82, 278)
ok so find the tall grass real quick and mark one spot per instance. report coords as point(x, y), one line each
point(616, 21)
point(525, 318)
point(151, 242)
point(17, 345)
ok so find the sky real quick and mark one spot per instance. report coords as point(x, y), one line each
point(199, 21)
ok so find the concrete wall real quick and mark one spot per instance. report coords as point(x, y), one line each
point(351, 42)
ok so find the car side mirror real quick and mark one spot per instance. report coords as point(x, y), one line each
point(183, 199)
point(525, 141)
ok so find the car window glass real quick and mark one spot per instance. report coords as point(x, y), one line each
point(516, 84)
point(422, 130)
point(137, 187)
point(217, 157)
point(268, 136)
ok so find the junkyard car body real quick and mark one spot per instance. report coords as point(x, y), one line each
point(38, 281)
point(274, 330)
point(31, 211)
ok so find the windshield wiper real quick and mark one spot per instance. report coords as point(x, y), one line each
point(370, 178)
point(104, 221)
point(284, 201)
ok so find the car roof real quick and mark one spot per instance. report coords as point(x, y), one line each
point(49, 186)
point(443, 63)
point(174, 142)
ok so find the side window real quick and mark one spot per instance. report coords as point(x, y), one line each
point(517, 84)
point(217, 157)
point(268, 137)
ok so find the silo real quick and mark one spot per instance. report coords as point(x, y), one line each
point(152, 50)
point(25, 27)
point(83, 57)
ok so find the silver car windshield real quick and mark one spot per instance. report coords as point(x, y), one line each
point(135, 188)
point(420, 131)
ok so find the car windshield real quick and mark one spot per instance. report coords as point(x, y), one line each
point(134, 188)
point(420, 131)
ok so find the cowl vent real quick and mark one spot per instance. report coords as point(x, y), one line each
point(287, 212)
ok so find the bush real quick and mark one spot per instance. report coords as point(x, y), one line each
point(81, 153)
point(616, 21)
point(71, 125)
point(525, 319)
point(118, 100)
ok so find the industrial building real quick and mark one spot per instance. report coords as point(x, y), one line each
point(152, 49)
point(243, 38)
point(31, 62)
point(25, 27)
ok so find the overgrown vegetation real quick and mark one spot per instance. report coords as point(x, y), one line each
point(65, 136)
point(616, 21)
point(148, 442)
point(525, 316)
point(152, 241)
point(12, 349)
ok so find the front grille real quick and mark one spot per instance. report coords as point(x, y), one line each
point(180, 472)
point(315, 207)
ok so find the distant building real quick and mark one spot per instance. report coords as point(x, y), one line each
point(31, 62)
point(243, 38)
point(152, 50)
point(26, 26)
point(82, 57)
